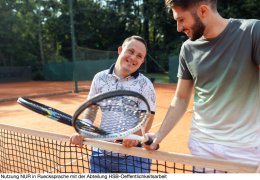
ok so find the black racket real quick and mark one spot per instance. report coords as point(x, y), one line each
point(49, 112)
point(124, 112)
point(116, 114)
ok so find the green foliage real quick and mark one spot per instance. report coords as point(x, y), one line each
point(240, 8)
point(35, 32)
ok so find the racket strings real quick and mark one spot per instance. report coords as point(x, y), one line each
point(113, 116)
point(120, 114)
point(86, 127)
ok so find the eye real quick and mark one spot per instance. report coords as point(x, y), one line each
point(181, 20)
point(130, 51)
point(139, 56)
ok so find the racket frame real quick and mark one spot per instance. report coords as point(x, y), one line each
point(44, 110)
point(112, 136)
point(52, 113)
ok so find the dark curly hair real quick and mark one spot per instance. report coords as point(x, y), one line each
point(186, 4)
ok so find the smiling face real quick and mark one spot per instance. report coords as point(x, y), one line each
point(131, 56)
point(189, 23)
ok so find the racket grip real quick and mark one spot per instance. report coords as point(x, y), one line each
point(150, 141)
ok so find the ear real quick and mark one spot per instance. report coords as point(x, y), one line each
point(119, 49)
point(143, 59)
point(203, 11)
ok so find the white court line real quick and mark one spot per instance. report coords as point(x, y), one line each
point(156, 125)
point(188, 111)
point(68, 164)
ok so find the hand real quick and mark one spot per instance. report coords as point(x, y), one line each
point(77, 139)
point(130, 143)
point(154, 145)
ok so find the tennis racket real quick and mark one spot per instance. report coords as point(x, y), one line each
point(45, 110)
point(49, 112)
point(125, 111)
point(115, 114)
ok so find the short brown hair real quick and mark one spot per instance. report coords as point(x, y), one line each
point(186, 4)
point(138, 38)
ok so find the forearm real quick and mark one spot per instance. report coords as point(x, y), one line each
point(147, 126)
point(91, 113)
point(175, 112)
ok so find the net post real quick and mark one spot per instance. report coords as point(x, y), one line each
point(76, 90)
point(73, 45)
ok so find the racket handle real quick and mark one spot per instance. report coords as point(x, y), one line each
point(150, 141)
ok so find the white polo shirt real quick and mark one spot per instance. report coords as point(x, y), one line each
point(107, 80)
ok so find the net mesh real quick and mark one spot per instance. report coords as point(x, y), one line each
point(22, 153)
point(30, 151)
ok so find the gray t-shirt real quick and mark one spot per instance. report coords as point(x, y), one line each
point(227, 84)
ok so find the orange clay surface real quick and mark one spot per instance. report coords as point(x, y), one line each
point(59, 95)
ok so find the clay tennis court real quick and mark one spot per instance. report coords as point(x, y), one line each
point(60, 95)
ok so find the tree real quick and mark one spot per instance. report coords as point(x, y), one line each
point(34, 32)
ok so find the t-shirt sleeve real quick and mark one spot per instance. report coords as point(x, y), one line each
point(183, 70)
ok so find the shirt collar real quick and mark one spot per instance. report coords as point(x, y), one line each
point(134, 74)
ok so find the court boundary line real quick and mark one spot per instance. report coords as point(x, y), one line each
point(43, 95)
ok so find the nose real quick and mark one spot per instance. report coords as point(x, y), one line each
point(135, 59)
point(131, 58)
point(179, 27)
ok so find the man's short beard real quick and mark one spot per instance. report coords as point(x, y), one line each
point(198, 28)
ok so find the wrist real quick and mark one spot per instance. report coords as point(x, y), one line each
point(157, 139)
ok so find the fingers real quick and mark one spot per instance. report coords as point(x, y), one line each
point(130, 143)
point(77, 140)
point(152, 147)
point(151, 144)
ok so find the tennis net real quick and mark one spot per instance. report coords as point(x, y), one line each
point(30, 151)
